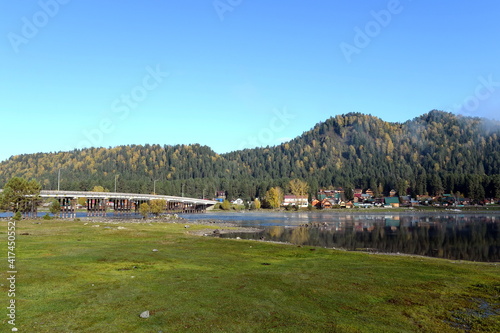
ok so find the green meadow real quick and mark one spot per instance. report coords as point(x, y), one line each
point(74, 276)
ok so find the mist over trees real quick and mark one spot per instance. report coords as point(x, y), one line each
point(435, 153)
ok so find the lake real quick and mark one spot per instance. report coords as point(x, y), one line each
point(450, 235)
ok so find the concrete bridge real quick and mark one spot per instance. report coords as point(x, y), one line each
point(99, 203)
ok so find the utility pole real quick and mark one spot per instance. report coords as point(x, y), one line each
point(183, 190)
point(58, 179)
point(154, 186)
point(116, 177)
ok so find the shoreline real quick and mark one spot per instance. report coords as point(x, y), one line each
point(376, 210)
point(313, 247)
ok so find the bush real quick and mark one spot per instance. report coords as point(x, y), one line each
point(236, 207)
point(47, 217)
point(55, 207)
point(226, 205)
point(256, 204)
point(144, 210)
point(17, 216)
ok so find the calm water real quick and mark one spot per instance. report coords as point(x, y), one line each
point(450, 235)
point(446, 235)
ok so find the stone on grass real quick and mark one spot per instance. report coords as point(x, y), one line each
point(155, 250)
point(144, 315)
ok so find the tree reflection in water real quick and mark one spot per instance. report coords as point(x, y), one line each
point(456, 237)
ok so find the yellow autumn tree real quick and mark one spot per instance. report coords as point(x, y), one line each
point(298, 188)
point(274, 197)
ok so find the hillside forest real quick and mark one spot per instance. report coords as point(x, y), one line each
point(433, 154)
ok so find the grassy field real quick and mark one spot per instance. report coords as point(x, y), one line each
point(78, 277)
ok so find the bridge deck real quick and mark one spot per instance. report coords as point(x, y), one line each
point(128, 196)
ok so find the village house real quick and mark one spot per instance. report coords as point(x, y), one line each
point(337, 195)
point(327, 203)
point(220, 196)
point(293, 200)
point(424, 199)
point(316, 203)
point(238, 201)
point(405, 200)
point(365, 197)
point(392, 201)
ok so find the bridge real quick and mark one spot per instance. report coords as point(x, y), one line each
point(98, 203)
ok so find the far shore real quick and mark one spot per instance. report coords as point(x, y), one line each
point(377, 210)
point(493, 209)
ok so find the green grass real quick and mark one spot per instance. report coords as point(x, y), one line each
point(78, 278)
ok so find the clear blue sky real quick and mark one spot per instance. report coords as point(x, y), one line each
point(236, 74)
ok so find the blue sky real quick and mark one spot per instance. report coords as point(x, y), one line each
point(234, 74)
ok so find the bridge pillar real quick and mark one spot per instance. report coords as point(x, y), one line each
point(92, 207)
point(88, 203)
point(128, 205)
point(73, 207)
point(103, 206)
point(68, 207)
point(116, 206)
point(123, 206)
point(96, 207)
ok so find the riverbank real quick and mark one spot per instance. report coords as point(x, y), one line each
point(99, 276)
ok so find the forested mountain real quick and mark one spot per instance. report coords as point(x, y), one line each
point(435, 153)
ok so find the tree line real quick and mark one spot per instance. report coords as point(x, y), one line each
point(435, 153)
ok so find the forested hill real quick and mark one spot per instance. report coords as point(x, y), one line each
point(435, 153)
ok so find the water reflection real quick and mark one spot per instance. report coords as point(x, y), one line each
point(458, 237)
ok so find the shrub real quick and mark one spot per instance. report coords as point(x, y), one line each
point(226, 205)
point(256, 204)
